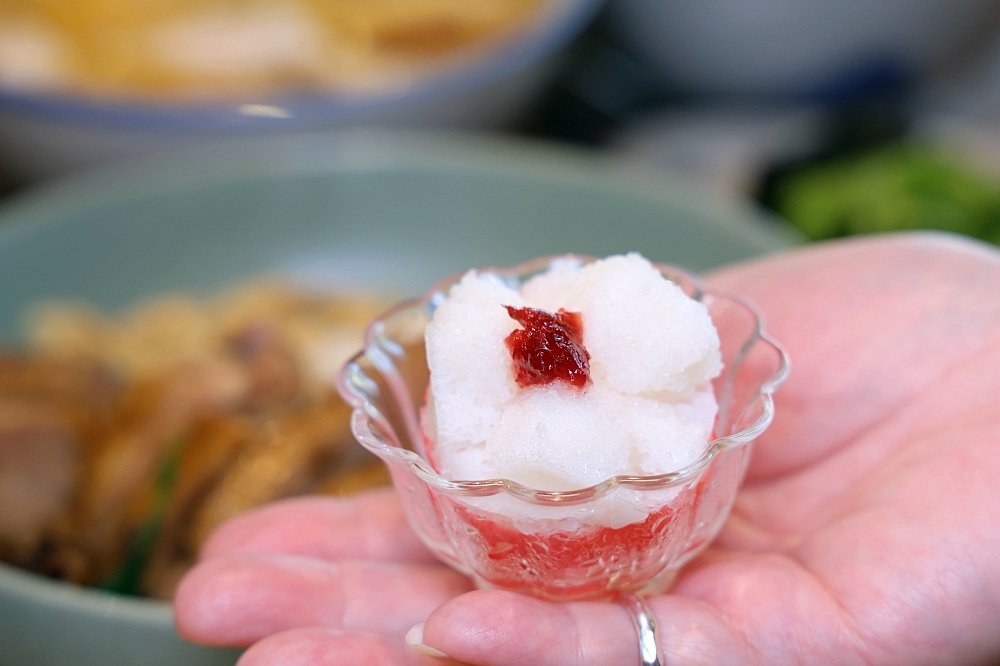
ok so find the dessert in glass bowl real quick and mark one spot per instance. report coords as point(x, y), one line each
point(569, 428)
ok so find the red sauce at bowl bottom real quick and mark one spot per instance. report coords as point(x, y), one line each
point(590, 562)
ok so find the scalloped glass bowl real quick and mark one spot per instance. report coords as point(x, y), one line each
point(627, 534)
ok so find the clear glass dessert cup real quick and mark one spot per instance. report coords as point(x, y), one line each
point(625, 535)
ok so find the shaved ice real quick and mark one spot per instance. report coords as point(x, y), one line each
point(648, 407)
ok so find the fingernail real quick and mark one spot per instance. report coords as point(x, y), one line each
point(415, 639)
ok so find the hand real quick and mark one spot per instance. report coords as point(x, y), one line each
point(866, 531)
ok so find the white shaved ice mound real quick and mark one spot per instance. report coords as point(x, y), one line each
point(649, 409)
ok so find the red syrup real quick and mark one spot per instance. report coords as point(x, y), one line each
point(590, 562)
point(549, 348)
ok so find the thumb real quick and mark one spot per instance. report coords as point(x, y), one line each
point(496, 628)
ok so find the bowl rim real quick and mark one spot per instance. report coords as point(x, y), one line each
point(72, 598)
point(551, 29)
point(342, 151)
point(379, 350)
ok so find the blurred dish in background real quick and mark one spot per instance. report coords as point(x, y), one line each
point(83, 83)
point(964, 138)
point(170, 49)
point(126, 440)
point(724, 148)
point(960, 113)
point(967, 95)
point(795, 47)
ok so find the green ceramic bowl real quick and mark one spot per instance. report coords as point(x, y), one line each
point(387, 211)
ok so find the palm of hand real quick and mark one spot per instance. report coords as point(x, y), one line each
point(864, 532)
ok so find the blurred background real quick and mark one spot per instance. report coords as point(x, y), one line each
point(843, 117)
point(162, 162)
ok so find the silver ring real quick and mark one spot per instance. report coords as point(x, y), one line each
point(649, 651)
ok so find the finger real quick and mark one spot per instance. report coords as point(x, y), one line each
point(368, 526)
point(239, 599)
point(317, 646)
point(495, 628)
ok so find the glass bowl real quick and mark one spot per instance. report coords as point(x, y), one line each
point(627, 534)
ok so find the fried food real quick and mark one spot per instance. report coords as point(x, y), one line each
point(213, 48)
point(124, 441)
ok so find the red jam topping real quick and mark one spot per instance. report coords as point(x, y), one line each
point(549, 348)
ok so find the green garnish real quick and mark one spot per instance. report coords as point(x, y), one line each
point(126, 579)
point(894, 188)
